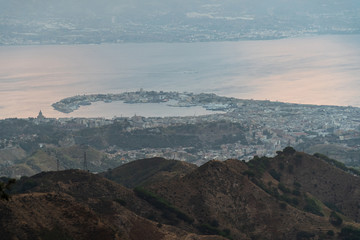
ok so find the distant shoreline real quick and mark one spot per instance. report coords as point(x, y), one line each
point(268, 38)
point(208, 101)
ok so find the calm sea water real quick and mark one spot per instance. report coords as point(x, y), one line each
point(313, 70)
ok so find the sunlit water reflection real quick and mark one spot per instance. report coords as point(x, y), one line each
point(314, 70)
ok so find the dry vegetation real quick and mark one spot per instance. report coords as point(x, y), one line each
point(291, 196)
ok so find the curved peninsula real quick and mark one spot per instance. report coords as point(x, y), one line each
point(209, 101)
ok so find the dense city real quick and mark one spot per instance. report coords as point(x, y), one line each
point(242, 130)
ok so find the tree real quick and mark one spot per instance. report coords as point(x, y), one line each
point(4, 189)
point(289, 151)
point(335, 219)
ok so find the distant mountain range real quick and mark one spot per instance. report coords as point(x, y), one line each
point(290, 196)
point(59, 22)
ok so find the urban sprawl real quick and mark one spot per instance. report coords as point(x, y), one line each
point(271, 126)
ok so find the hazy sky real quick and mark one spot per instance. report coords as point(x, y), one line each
point(159, 8)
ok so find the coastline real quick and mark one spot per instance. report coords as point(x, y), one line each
point(208, 101)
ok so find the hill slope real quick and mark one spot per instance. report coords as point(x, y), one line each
point(146, 171)
point(333, 186)
point(75, 204)
point(59, 216)
point(217, 195)
point(250, 199)
point(290, 196)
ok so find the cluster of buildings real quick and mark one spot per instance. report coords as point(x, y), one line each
point(270, 126)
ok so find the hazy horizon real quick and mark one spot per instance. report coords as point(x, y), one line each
point(112, 21)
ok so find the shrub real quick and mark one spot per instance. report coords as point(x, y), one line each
point(259, 165)
point(296, 192)
point(335, 219)
point(121, 201)
point(298, 160)
point(275, 192)
point(291, 169)
point(275, 174)
point(281, 166)
point(227, 231)
point(214, 223)
point(295, 201)
point(312, 207)
point(304, 235)
point(283, 188)
point(162, 204)
point(249, 173)
point(5, 188)
point(349, 233)
point(289, 200)
point(55, 233)
point(289, 151)
point(207, 229)
point(297, 185)
point(283, 205)
point(332, 206)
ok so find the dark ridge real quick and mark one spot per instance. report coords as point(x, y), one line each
point(146, 171)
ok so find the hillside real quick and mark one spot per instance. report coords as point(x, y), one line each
point(336, 188)
point(75, 204)
point(16, 162)
point(147, 171)
point(90, 189)
point(218, 196)
point(248, 198)
point(291, 196)
point(59, 216)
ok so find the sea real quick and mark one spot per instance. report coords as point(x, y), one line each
point(320, 70)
